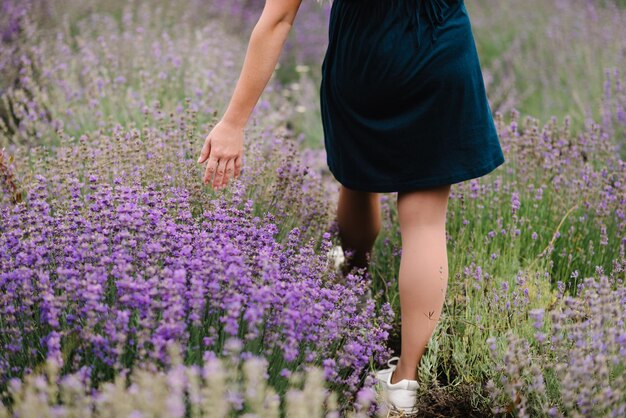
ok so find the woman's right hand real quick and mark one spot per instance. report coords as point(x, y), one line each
point(223, 148)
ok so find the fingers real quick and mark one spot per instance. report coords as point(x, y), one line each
point(223, 170)
point(220, 170)
point(219, 173)
point(229, 170)
point(206, 150)
point(237, 163)
point(210, 170)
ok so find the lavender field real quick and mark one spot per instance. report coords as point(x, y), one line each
point(130, 289)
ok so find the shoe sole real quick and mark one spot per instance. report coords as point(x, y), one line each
point(393, 412)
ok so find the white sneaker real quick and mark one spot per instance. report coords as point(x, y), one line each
point(336, 257)
point(381, 374)
point(400, 396)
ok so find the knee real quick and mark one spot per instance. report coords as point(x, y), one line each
point(427, 207)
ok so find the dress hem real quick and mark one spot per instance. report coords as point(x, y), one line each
point(408, 185)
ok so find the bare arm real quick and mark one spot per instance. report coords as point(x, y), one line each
point(223, 146)
point(266, 43)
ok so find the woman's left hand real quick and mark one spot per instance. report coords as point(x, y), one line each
point(223, 147)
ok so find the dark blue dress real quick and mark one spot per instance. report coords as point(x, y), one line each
point(402, 96)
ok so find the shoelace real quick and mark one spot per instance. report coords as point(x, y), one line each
point(434, 12)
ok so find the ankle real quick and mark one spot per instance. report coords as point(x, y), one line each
point(400, 373)
point(350, 266)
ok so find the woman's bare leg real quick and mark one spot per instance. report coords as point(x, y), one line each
point(423, 277)
point(358, 217)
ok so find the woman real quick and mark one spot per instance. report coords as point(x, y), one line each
point(404, 109)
